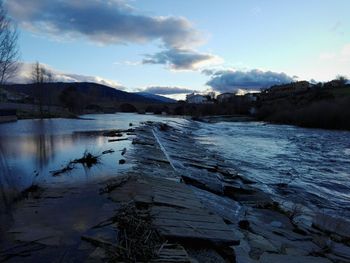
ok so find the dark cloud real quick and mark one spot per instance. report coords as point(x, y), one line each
point(181, 59)
point(167, 90)
point(102, 21)
point(229, 80)
point(208, 72)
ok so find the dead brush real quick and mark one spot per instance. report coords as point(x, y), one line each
point(138, 240)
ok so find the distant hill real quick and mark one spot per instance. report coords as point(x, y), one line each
point(156, 97)
point(96, 93)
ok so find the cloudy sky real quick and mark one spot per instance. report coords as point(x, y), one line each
point(173, 47)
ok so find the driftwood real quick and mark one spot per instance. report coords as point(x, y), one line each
point(116, 133)
point(87, 160)
point(118, 140)
point(108, 151)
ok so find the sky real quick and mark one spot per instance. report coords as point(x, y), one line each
point(173, 47)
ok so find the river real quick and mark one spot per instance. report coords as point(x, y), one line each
point(308, 166)
point(31, 149)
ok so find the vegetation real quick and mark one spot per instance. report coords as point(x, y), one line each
point(319, 106)
point(40, 76)
point(138, 240)
point(68, 98)
point(9, 51)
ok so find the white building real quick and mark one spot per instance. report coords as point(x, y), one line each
point(196, 98)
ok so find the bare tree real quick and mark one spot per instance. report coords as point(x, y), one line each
point(342, 79)
point(41, 76)
point(9, 51)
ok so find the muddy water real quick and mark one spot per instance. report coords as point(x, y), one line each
point(308, 166)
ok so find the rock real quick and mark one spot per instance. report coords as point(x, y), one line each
point(36, 233)
point(244, 224)
point(242, 252)
point(242, 256)
point(202, 255)
point(203, 179)
point(322, 241)
point(257, 198)
point(122, 161)
point(276, 224)
point(98, 253)
point(235, 188)
point(336, 259)
point(225, 207)
point(293, 251)
point(107, 235)
point(340, 250)
point(261, 243)
point(303, 222)
point(331, 224)
point(270, 218)
point(275, 258)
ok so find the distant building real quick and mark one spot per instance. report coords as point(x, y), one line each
point(232, 97)
point(225, 97)
point(251, 97)
point(196, 98)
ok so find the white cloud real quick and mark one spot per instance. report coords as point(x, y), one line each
point(102, 21)
point(233, 80)
point(182, 59)
point(161, 90)
point(115, 22)
point(24, 75)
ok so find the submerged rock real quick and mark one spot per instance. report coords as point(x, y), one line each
point(332, 224)
point(275, 258)
point(341, 250)
point(259, 245)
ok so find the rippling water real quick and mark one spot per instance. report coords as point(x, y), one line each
point(314, 163)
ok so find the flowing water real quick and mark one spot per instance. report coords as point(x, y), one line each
point(307, 166)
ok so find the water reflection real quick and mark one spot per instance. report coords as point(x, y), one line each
point(31, 149)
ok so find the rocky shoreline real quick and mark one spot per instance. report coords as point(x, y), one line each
point(179, 203)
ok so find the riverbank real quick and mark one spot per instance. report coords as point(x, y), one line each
point(179, 192)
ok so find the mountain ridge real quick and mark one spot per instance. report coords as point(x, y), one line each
point(96, 91)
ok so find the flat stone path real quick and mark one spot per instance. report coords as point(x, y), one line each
point(176, 211)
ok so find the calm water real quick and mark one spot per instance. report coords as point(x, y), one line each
point(314, 163)
point(31, 149)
